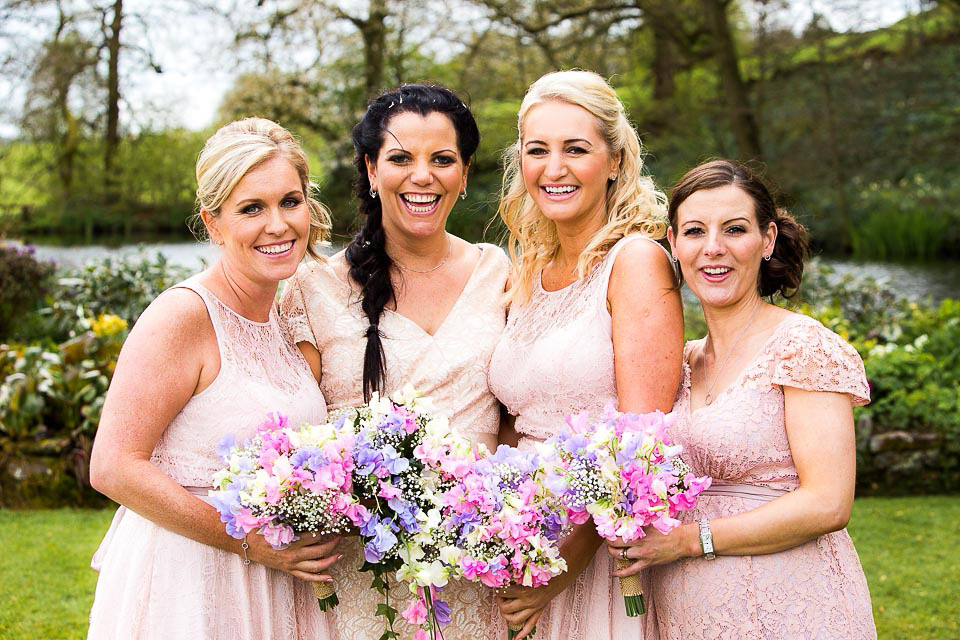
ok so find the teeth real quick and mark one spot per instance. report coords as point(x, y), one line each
point(716, 271)
point(276, 248)
point(420, 198)
point(559, 190)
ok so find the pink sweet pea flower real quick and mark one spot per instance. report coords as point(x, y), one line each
point(278, 536)
point(388, 491)
point(416, 612)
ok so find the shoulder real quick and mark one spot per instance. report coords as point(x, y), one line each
point(799, 332)
point(637, 258)
point(173, 325)
point(494, 256)
point(809, 356)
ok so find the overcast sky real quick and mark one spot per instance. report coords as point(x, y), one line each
point(198, 66)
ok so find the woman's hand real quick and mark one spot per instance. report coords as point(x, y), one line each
point(523, 606)
point(656, 548)
point(306, 559)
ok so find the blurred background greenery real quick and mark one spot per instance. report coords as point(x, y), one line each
point(856, 120)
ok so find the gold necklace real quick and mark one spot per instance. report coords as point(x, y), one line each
point(708, 398)
point(431, 269)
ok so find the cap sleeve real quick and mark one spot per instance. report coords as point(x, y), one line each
point(293, 308)
point(813, 358)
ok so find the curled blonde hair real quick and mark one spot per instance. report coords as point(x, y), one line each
point(633, 202)
point(241, 146)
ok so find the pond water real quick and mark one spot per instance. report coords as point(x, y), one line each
point(917, 281)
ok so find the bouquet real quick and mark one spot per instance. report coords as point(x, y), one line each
point(623, 470)
point(287, 480)
point(406, 459)
point(508, 524)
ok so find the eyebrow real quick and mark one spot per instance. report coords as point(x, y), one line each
point(294, 192)
point(567, 141)
point(393, 149)
point(744, 218)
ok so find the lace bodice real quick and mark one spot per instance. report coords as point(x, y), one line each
point(260, 370)
point(449, 366)
point(556, 354)
point(814, 590)
point(731, 439)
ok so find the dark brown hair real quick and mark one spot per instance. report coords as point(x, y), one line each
point(784, 271)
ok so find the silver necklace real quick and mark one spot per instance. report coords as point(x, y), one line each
point(431, 269)
point(709, 397)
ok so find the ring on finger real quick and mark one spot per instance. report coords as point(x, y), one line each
point(623, 553)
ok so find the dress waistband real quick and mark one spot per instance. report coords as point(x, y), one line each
point(749, 491)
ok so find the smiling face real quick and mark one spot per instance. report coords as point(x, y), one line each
point(264, 223)
point(720, 245)
point(566, 163)
point(418, 173)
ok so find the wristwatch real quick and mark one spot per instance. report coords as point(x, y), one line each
point(706, 540)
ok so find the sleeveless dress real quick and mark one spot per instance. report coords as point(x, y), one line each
point(157, 584)
point(815, 590)
point(555, 358)
point(449, 366)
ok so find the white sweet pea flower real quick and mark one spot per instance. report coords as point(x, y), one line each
point(451, 555)
point(434, 574)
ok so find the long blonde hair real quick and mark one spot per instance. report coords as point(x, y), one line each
point(237, 148)
point(634, 204)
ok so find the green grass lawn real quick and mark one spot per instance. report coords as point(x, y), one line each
point(907, 546)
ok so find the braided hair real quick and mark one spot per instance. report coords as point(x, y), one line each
point(366, 254)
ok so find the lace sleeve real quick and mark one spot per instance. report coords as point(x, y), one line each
point(294, 316)
point(813, 358)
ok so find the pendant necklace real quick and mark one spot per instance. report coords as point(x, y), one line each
point(709, 397)
point(431, 269)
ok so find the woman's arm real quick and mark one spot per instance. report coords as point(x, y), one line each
point(170, 355)
point(647, 318)
point(820, 431)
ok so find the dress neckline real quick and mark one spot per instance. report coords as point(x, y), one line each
point(474, 274)
point(746, 368)
point(195, 281)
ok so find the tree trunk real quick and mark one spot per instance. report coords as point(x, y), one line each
point(374, 33)
point(112, 139)
point(732, 85)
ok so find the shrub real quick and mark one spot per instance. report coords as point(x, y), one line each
point(24, 282)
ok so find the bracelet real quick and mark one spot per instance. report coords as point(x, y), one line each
point(706, 540)
point(245, 546)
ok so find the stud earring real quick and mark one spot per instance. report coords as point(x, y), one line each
point(767, 257)
point(613, 176)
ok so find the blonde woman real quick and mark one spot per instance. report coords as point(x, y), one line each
point(207, 360)
point(595, 314)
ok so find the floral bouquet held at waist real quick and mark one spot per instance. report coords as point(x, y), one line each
point(286, 481)
point(623, 471)
point(508, 524)
point(406, 460)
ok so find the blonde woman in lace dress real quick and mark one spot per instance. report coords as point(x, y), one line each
point(206, 360)
point(766, 410)
point(595, 319)
point(406, 303)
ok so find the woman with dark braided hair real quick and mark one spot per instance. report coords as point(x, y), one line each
point(406, 303)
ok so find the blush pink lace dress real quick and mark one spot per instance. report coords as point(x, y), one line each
point(555, 358)
point(157, 584)
point(816, 590)
point(449, 366)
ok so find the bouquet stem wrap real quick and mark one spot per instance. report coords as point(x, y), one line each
point(513, 630)
point(326, 595)
point(632, 589)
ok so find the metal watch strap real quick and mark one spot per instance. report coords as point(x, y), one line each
point(706, 540)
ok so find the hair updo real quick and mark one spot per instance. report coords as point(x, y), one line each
point(238, 148)
point(366, 254)
point(783, 272)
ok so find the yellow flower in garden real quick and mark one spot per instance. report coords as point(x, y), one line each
point(108, 325)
